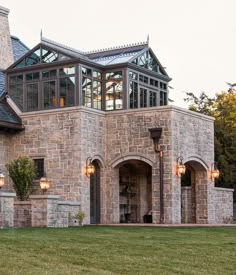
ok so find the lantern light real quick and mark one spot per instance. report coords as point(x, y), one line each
point(180, 167)
point(215, 173)
point(45, 183)
point(2, 179)
point(90, 169)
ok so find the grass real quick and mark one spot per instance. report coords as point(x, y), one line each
point(118, 250)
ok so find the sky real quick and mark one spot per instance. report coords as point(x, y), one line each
point(195, 40)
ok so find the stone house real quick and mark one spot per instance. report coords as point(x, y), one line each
point(64, 108)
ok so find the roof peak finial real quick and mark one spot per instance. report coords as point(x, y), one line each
point(41, 35)
point(148, 39)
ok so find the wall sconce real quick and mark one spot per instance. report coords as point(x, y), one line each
point(215, 173)
point(2, 179)
point(45, 183)
point(180, 167)
point(90, 169)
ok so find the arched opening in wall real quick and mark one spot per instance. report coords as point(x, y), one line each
point(194, 193)
point(135, 192)
point(95, 201)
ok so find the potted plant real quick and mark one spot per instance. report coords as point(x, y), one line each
point(22, 172)
point(80, 216)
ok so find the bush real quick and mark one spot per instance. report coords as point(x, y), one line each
point(22, 172)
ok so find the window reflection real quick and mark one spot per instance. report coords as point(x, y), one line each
point(114, 90)
point(67, 91)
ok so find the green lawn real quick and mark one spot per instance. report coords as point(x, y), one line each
point(118, 250)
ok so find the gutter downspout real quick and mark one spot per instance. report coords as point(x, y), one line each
point(156, 135)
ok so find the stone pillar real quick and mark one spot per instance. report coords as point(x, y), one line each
point(6, 55)
point(7, 209)
point(22, 214)
point(62, 214)
point(44, 210)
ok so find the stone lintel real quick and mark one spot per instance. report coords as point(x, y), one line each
point(74, 203)
point(44, 197)
point(7, 194)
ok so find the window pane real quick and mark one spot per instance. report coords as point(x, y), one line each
point(32, 96)
point(32, 76)
point(133, 95)
point(114, 91)
point(143, 98)
point(87, 91)
point(67, 91)
point(97, 94)
point(49, 74)
point(33, 59)
point(16, 90)
point(133, 75)
point(153, 98)
point(39, 165)
point(49, 94)
point(67, 70)
point(97, 74)
point(86, 71)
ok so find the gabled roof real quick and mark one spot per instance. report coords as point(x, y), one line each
point(116, 55)
point(9, 120)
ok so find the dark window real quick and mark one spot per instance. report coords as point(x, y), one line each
point(49, 94)
point(143, 98)
point(39, 165)
point(153, 98)
point(163, 98)
point(32, 76)
point(49, 74)
point(32, 96)
point(16, 89)
point(133, 95)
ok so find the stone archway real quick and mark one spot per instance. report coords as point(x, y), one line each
point(134, 192)
point(194, 197)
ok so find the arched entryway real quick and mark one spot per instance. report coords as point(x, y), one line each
point(95, 201)
point(135, 192)
point(194, 195)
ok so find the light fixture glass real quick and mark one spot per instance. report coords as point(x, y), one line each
point(2, 179)
point(215, 173)
point(90, 169)
point(45, 183)
point(180, 167)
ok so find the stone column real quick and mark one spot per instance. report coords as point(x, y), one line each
point(7, 209)
point(6, 55)
point(22, 214)
point(44, 210)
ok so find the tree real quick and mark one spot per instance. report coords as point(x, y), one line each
point(223, 109)
point(22, 172)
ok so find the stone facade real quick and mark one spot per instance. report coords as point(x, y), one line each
point(22, 214)
point(66, 137)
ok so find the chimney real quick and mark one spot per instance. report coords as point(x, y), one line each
point(6, 54)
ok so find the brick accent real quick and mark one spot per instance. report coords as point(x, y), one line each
point(22, 214)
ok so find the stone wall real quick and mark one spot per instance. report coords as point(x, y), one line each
point(222, 205)
point(6, 209)
point(66, 137)
point(183, 133)
point(22, 214)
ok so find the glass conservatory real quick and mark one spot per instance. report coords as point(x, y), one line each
point(54, 76)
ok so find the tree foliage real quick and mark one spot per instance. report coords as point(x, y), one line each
point(223, 109)
point(22, 172)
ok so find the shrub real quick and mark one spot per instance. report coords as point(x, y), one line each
point(22, 172)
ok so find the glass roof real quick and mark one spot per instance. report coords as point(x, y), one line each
point(116, 59)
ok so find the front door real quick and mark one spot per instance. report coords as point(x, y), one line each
point(95, 195)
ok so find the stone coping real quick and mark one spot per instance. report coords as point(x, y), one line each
point(7, 194)
point(223, 189)
point(71, 203)
point(167, 108)
point(44, 197)
point(186, 187)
